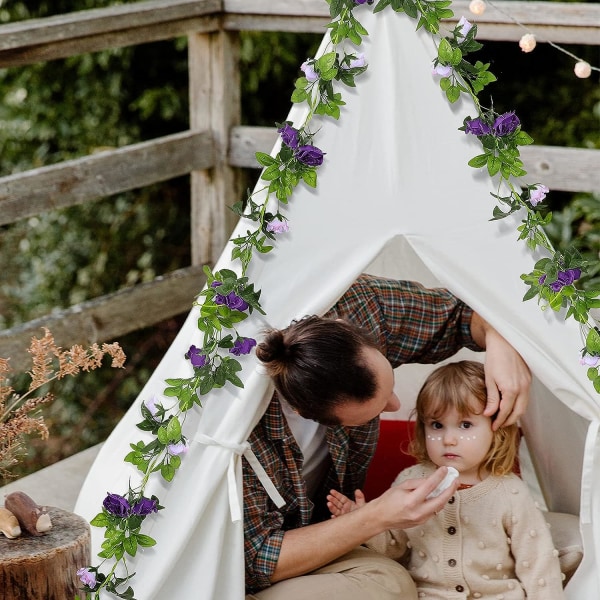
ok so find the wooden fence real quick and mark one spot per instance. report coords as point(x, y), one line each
point(216, 145)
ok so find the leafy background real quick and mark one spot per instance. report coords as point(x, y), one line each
point(68, 108)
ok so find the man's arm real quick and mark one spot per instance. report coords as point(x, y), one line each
point(308, 548)
point(507, 377)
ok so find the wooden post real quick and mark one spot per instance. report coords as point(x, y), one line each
point(45, 567)
point(214, 83)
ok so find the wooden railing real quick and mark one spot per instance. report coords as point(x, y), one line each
point(216, 145)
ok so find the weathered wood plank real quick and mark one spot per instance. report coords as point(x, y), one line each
point(503, 11)
point(576, 23)
point(93, 43)
point(214, 84)
point(109, 317)
point(565, 169)
point(98, 175)
point(102, 21)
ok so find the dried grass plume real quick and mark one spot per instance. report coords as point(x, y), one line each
point(19, 413)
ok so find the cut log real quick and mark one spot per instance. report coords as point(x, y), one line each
point(45, 567)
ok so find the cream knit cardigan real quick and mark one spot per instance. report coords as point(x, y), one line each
point(490, 542)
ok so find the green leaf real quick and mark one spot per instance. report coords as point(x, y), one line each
point(265, 159)
point(523, 139)
point(130, 545)
point(381, 5)
point(592, 342)
point(167, 471)
point(493, 164)
point(310, 178)
point(145, 540)
point(163, 436)
point(299, 95)
point(174, 429)
point(410, 8)
point(453, 93)
point(100, 520)
point(478, 161)
point(445, 51)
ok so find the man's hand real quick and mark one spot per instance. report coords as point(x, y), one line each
point(507, 377)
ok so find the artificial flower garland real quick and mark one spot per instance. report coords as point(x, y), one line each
point(230, 298)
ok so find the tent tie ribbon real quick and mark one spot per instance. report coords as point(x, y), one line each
point(234, 473)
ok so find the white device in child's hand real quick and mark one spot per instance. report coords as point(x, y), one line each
point(451, 475)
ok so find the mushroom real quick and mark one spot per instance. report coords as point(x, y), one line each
point(9, 525)
point(33, 518)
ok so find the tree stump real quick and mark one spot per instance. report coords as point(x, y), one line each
point(45, 567)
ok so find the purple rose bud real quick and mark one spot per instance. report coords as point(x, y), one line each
point(477, 127)
point(309, 71)
point(242, 346)
point(542, 279)
point(87, 577)
point(465, 27)
point(360, 1)
point(537, 194)
point(215, 284)
point(144, 506)
point(505, 124)
point(309, 155)
point(116, 505)
point(359, 61)
point(196, 357)
point(289, 136)
point(177, 449)
point(443, 71)
point(278, 226)
point(590, 361)
point(150, 404)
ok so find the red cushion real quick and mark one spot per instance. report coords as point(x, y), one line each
point(390, 456)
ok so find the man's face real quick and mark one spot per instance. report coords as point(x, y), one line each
point(352, 413)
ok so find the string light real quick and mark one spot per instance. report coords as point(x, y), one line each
point(528, 42)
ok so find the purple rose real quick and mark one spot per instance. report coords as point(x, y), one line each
point(465, 27)
point(477, 127)
point(537, 194)
point(359, 61)
point(309, 71)
point(278, 226)
point(117, 505)
point(289, 136)
point(590, 361)
point(87, 577)
point(562, 279)
point(309, 155)
point(144, 506)
point(235, 302)
point(178, 448)
point(242, 346)
point(505, 124)
point(196, 357)
point(150, 404)
point(443, 71)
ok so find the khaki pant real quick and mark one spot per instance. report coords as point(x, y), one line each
point(362, 574)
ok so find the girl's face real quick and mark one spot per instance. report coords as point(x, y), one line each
point(461, 442)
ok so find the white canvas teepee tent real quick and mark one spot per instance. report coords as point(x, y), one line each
point(395, 196)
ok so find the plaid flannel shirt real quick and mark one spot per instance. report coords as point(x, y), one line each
point(412, 324)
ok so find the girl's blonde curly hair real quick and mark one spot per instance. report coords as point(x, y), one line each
point(461, 386)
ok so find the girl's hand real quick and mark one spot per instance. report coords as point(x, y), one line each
point(339, 504)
